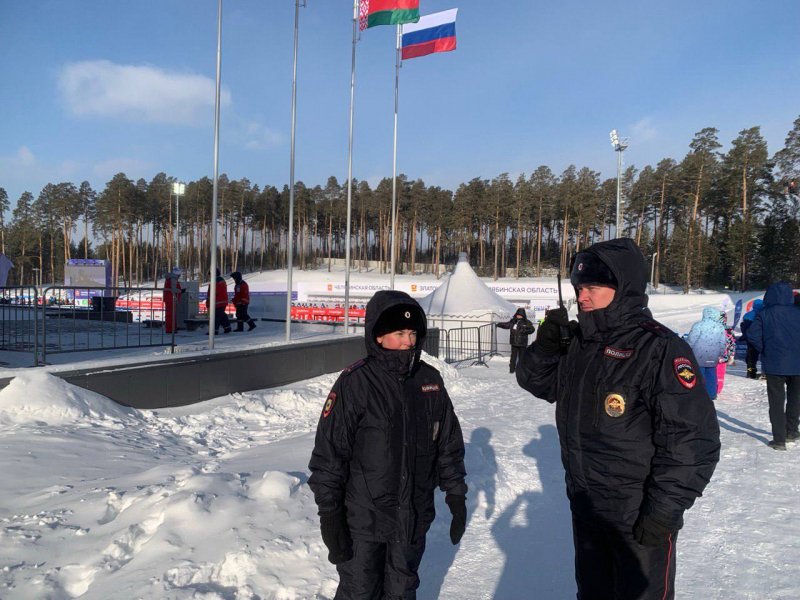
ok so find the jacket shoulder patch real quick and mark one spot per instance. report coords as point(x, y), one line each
point(684, 371)
point(431, 387)
point(329, 402)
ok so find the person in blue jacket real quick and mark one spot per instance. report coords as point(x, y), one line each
point(775, 333)
point(707, 339)
point(752, 354)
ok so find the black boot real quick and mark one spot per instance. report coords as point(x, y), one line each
point(240, 326)
point(752, 373)
point(251, 324)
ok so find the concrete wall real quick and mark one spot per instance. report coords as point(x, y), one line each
point(191, 379)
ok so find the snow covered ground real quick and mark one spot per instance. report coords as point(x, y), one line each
point(211, 501)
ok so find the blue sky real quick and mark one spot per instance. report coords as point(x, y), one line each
point(94, 87)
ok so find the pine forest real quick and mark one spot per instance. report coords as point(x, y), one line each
point(712, 219)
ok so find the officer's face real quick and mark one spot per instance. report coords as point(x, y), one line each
point(594, 297)
point(404, 339)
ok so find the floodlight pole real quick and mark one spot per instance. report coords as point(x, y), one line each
point(178, 189)
point(619, 191)
point(619, 146)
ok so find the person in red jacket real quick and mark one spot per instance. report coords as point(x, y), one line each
point(171, 296)
point(241, 300)
point(220, 317)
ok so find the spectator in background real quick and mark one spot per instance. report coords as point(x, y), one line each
point(241, 300)
point(707, 340)
point(730, 351)
point(752, 354)
point(519, 329)
point(220, 317)
point(775, 333)
point(171, 296)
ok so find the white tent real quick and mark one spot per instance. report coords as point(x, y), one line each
point(465, 307)
point(463, 296)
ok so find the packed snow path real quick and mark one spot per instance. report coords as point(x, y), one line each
point(211, 501)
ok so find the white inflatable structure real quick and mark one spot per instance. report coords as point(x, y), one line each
point(462, 296)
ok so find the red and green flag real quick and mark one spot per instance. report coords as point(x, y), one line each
point(387, 12)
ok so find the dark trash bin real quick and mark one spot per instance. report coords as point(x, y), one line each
point(104, 303)
point(431, 344)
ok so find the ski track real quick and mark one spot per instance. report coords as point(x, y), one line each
point(211, 502)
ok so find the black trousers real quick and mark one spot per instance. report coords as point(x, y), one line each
point(516, 351)
point(751, 359)
point(380, 571)
point(241, 315)
point(611, 565)
point(783, 393)
point(221, 319)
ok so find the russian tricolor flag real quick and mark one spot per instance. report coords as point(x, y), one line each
point(432, 33)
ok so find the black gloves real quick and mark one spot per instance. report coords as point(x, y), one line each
point(650, 532)
point(336, 536)
point(555, 332)
point(458, 508)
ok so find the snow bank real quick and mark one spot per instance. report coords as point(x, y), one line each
point(38, 398)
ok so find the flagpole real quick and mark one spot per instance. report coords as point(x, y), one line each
point(350, 176)
point(290, 240)
point(212, 286)
point(397, 65)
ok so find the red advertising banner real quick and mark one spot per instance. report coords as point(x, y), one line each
point(309, 313)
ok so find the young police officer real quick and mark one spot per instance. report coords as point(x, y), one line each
point(387, 436)
point(639, 434)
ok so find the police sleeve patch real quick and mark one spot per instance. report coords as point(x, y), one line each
point(331, 400)
point(684, 371)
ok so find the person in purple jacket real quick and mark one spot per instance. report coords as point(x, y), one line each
point(707, 339)
point(775, 333)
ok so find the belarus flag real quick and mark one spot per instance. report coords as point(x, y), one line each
point(433, 33)
point(387, 12)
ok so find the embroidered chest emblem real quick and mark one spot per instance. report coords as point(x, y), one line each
point(614, 405)
point(430, 387)
point(684, 371)
point(618, 353)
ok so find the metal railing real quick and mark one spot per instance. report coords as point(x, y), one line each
point(80, 319)
point(19, 323)
point(468, 344)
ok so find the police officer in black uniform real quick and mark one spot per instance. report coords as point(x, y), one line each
point(520, 328)
point(387, 437)
point(639, 435)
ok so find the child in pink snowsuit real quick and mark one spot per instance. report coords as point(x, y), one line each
point(730, 351)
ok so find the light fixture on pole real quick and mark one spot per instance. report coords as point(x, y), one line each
point(619, 145)
point(178, 189)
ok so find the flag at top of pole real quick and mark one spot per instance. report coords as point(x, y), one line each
point(387, 12)
point(432, 33)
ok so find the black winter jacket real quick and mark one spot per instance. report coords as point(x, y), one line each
point(520, 328)
point(638, 431)
point(387, 436)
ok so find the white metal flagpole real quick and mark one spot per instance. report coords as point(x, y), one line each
point(350, 176)
point(397, 65)
point(290, 240)
point(212, 286)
